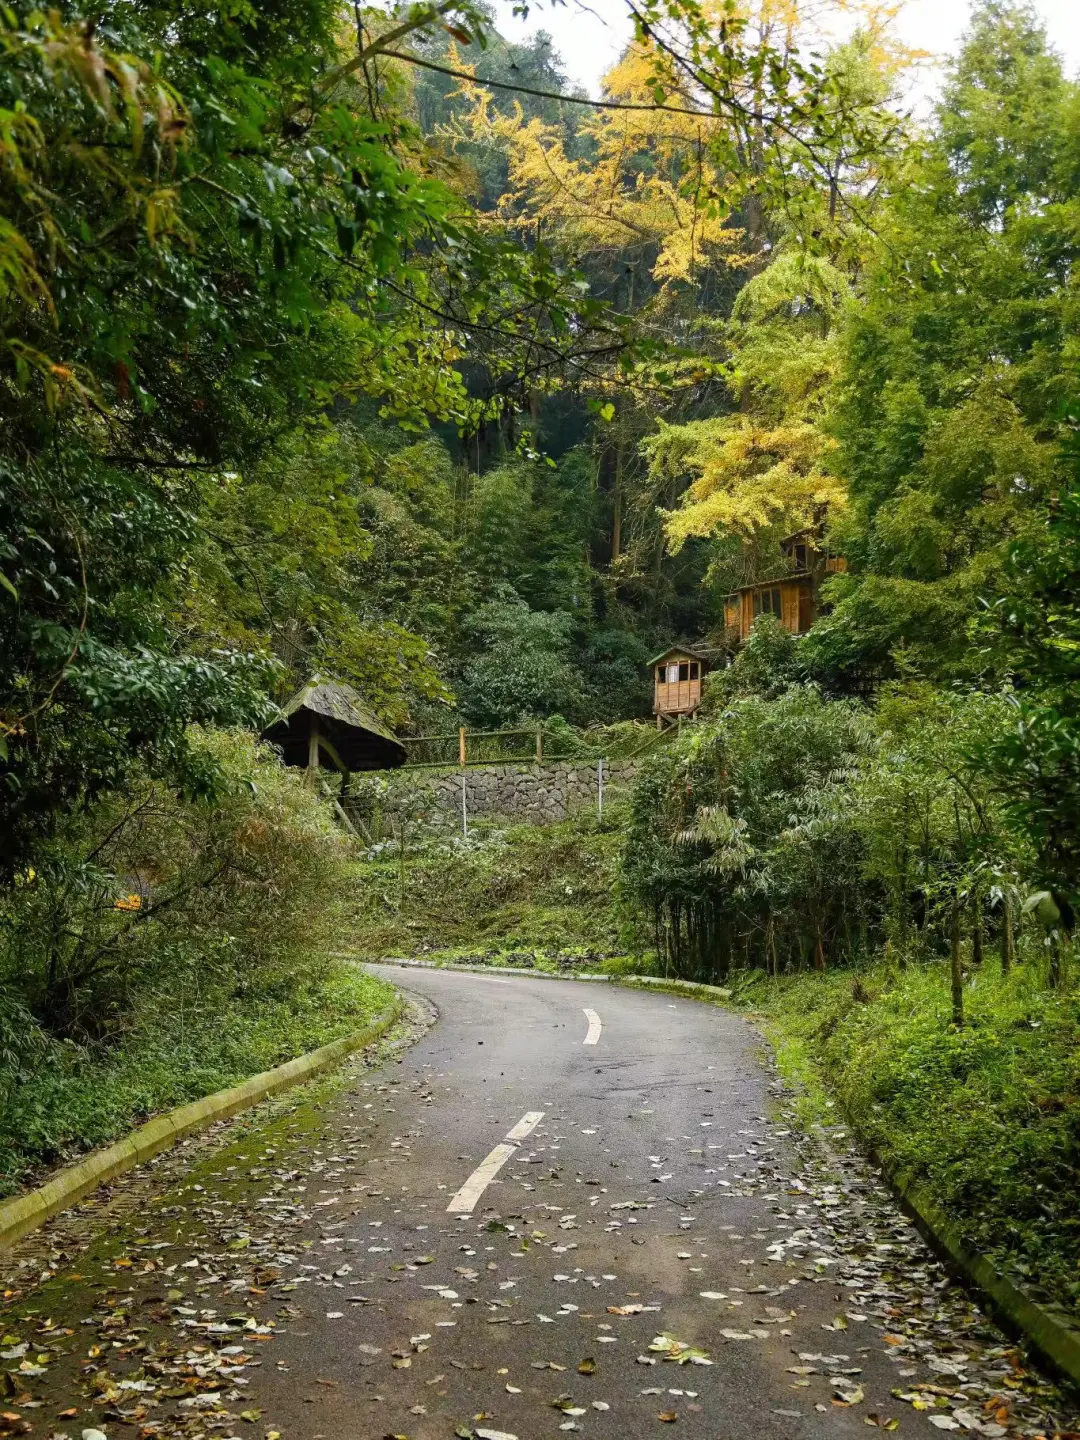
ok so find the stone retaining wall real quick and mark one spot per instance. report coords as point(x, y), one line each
point(541, 794)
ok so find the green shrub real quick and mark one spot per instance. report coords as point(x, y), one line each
point(167, 946)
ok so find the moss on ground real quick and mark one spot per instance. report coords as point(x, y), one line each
point(987, 1118)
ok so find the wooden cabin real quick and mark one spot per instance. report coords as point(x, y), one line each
point(793, 597)
point(677, 677)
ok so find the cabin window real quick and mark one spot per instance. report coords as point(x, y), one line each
point(684, 670)
point(673, 674)
point(694, 670)
point(799, 555)
point(767, 602)
point(660, 673)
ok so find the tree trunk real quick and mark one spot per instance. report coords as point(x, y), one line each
point(819, 952)
point(616, 504)
point(976, 930)
point(1055, 960)
point(956, 972)
point(1008, 940)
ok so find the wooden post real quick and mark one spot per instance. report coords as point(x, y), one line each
point(461, 745)
point(539, 744)
point(313, 754)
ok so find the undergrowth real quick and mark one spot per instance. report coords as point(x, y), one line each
point(80, 1096)
point(542, 896)
point(986, 1118)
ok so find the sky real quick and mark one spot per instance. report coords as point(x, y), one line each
point(589, 36)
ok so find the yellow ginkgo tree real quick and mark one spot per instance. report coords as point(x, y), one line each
point(768, 463)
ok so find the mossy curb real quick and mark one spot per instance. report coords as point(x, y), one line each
point(714, 994)
point(1052, 1337)
point(24, 1213)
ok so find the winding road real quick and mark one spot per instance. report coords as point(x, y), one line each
point(564, 1208)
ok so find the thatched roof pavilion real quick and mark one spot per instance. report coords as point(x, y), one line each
point(328, 724)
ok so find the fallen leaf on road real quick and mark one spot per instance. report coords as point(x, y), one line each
point(849, 1397)
point(668, 1416)
point(679, 1351)
point(587, 1367)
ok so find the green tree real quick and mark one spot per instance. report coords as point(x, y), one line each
point(522, 667)
point(951, 379)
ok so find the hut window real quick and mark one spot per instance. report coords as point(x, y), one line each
point(673, 674)
point(684, 670)
point(767, 602)
point(660, 672)
point(799, 556)
point(693, 669)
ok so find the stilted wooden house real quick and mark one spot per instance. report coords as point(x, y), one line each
point(327, 725)
point(792, 597)
point(677, 677)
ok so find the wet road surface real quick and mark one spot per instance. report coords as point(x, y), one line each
point(564, 1208)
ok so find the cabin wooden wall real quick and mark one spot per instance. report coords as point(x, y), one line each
point(678, 696)
point(797, 608)
point(684, 696)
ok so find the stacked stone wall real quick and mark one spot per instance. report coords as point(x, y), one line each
point(534, 793)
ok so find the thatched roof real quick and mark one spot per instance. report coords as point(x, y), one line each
point(341, 718)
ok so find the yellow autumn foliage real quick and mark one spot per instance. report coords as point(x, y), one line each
point(769, 463)
point(648, 179)
point(748, 476)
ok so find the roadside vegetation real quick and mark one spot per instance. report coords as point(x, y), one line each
point(164, 948)
point(983, 1117)
point(532, 896)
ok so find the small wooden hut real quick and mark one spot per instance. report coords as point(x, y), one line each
point(677, 676)
point(328, 725)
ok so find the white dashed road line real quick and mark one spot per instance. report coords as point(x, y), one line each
point(526, 1125)
point(594, 1028)
point(465, 1200)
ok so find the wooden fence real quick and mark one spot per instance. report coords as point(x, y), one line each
point(521, 747)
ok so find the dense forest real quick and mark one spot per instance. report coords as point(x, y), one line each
point(364, 346)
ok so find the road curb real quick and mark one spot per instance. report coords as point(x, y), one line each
point(24, 1213)
point(713, 994)
point(1055, 1340)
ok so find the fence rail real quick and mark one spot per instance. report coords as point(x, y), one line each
point(516, 747)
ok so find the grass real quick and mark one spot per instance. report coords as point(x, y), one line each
point(81, 1096)
point(986, 1118)
point(535, 896)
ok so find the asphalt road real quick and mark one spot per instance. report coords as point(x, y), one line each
point(542, 1207)
point(652, 1182)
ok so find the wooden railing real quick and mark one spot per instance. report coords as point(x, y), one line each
point(537, 744)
